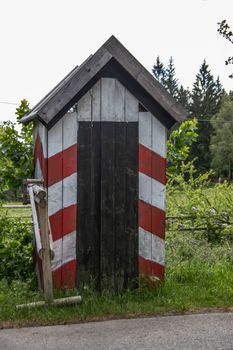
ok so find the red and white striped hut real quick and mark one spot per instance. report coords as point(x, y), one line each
point(100, 147)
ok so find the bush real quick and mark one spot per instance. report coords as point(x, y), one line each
point(15, 248)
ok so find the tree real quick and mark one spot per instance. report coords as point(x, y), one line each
point(166, 76)
point(225, 30)
point(222, 139)
point(183, 97)
point(171, 83)
point(206, 98)
point(179, 145)
point(16, 152)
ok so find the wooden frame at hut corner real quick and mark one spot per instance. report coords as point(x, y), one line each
point(111, 87)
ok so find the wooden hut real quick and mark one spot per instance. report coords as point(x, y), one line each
point(100, 147)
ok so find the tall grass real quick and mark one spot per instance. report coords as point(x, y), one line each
point(199, 268)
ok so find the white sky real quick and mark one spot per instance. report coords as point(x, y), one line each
point(41, 41)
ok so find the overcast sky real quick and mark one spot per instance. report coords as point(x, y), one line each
point(41, 41)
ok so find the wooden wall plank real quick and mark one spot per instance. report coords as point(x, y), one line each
point(69, 199)
point(131, 213)
point(96, 101)
point(107, 235)
point(131, 107)
point(120, 235)
point(55, 136)
point(84, 202)
point(159, 137)
point(107, 99)
point(84, 107)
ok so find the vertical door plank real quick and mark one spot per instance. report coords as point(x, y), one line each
point(107, 235)
point(94, 214)
point(84, 245)
point(120, 258)
point(131, 224)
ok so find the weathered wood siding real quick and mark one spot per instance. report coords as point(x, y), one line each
point(62, 198)
point(105, 169)
point(152, 179)
point(107, 191)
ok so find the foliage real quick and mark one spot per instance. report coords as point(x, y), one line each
point(222, 140)
point(206, 99)
point(178, 145)
point(15, 248)
point(225, 30)
point(205, 210)
point(16, 152)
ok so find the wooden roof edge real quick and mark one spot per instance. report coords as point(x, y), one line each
point(33, 114)
point(48, 107)
point(145, 79)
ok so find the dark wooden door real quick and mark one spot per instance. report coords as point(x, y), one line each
point(107, 198)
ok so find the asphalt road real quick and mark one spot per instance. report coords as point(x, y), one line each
point(202, 331)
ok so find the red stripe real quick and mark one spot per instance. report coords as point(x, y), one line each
point(38, 154)
point(65, 276)
point(69, 274)
point(63, 222)
point(150, 268)
point(151, 219)
point(152, 164)
point(62, 164)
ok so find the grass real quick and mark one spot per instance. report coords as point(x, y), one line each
point(188, 287)
point(199, 274)
point(24, 213)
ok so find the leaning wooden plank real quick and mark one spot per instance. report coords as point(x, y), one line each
point(35, 222)
point(63, 301)
point(39, 191)
point(46, 261)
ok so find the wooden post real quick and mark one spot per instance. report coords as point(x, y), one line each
point(46, 259)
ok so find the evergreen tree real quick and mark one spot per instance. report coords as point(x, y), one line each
point(221, 145)
point(171, 83)
point(205, 103)
point(183, 96)
point(159, 71)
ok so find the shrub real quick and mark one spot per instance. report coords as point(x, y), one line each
point(15, 248)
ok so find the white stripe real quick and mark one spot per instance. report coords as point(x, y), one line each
point(152, 134)
point(55, 139)
point(151, 191)
point(158, 194)
point(64, 250)
point(64, 190)
point(38, 172)
point(70, 190)
point(41, 131)
point(158, 250)
point(145, 243)
point(159, 137)
point(69, 130)
point(145, 188)
point(145, 129)
point(151, 247)
point(54, 198)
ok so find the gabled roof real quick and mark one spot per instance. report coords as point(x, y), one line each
point(111, 60)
